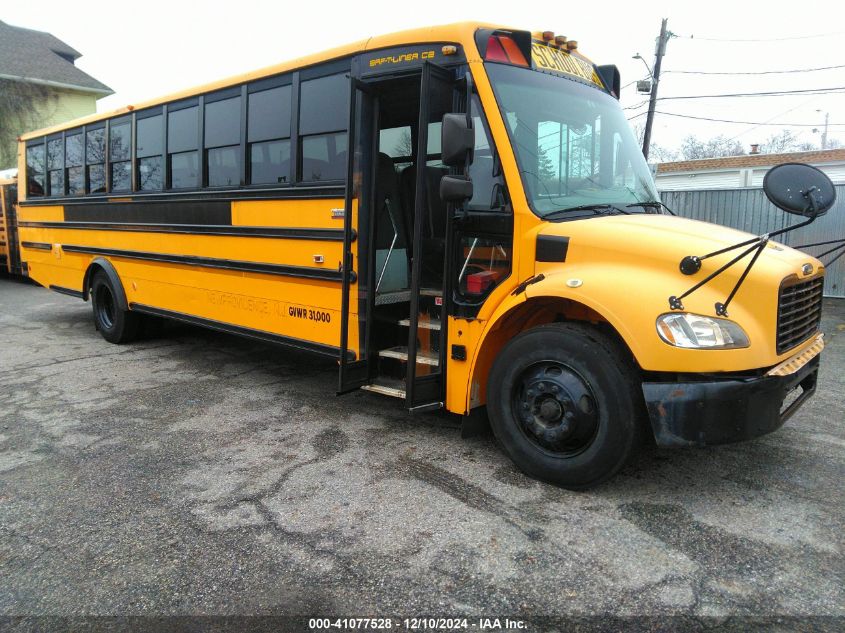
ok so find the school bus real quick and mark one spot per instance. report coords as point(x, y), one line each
point(460, 216)
point(9, 251)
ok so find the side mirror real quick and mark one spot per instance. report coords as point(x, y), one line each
point(456, 139)
point(455, 189)
point(800, 189)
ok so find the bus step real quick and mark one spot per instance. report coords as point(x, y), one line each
point(400, 296)
point(396, 296)
point(387, 387)
point(433, 324)
point(401, 352)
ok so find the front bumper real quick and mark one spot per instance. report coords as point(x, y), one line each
point(725, 411)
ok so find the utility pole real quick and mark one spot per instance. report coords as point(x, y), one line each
point(824, 134)
point(652, 102)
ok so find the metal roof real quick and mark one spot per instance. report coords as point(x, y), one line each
point(753, 160)
point(41, 58)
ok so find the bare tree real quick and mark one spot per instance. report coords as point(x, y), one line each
point(662, 153)
point(404, 146)
point(21, 109)
point(693, 148)
point(783, 141)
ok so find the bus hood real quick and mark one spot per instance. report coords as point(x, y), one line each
point(662, 240)
point(626, 269)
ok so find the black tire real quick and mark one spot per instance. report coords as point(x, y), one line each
point(564, 404)
point(116, 325)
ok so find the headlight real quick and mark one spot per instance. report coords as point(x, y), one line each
point(694, 331)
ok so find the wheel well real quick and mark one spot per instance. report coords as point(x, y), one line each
point(529, 314)
point(108, 268)
point(86, 280)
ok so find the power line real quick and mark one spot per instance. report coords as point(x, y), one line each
point(762, 72)
point(779, 114)
point(773, 39)
point(704, 118)
point(773, 93)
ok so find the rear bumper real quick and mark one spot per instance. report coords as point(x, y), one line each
point(725, 411)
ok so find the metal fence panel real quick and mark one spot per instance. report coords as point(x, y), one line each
point(749, 210)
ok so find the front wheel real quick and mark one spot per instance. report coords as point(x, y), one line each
point(115, 325)
point(564, 404)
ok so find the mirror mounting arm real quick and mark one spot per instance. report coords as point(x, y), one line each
point(691, 264)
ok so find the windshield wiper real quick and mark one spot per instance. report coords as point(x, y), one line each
point(650, 205)
point(598, 209)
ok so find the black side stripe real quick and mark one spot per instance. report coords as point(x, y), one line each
point(68, 291)
point(41, 246)
point(211, 262)
point(208, 212)
point(287, 193)
point(329, 235)
point(260, 335)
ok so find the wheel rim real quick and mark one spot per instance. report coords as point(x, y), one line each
point(555, 408)
point(105, 307)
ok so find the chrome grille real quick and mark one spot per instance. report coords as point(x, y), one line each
point(799, 311)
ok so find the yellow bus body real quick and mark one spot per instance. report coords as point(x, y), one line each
point(619, 270)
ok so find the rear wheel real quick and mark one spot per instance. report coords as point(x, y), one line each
point(564, 404)
point(116, 325)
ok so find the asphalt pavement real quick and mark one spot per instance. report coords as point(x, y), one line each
point(199, 473)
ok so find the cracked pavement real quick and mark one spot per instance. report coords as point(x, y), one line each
point(199, 473)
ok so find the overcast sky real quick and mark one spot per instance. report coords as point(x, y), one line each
point(142, 50)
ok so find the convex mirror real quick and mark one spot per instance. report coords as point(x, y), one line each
point(799, 189)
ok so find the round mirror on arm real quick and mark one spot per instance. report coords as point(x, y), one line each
point(799, 189)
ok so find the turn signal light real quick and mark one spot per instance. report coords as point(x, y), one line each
point(501, 48)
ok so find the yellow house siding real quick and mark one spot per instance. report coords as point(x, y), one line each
point(67, 106)
point(63, 105)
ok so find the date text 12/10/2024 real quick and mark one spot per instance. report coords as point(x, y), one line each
point(417, 624)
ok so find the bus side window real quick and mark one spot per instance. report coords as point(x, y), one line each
point(120, 154)
point(95, 157)
point(35, 169)
point(268, 134)
point(149, 150)
point(74, 170)
point(56, 166)
point(222, 140)
point(487, 193)
point(182, 143)
point(323, 119)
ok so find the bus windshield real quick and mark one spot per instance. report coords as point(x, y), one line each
point(573, 145)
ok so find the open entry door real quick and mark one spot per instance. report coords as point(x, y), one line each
point(427, 322)
point(355, 369)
